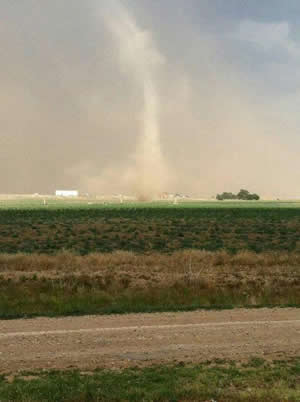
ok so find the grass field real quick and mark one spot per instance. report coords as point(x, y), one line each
point(56, 203)
point(256, 380)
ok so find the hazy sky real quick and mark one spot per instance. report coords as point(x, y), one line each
point(228, 88)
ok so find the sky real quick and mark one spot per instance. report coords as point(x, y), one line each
point(82, 82)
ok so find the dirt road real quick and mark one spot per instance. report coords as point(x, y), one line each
point(145, 339)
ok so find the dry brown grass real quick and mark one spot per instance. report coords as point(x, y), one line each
point(189, 267)
point(178, 261)
point(126, 282)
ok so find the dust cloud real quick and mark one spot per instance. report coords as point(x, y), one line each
point(134, 97)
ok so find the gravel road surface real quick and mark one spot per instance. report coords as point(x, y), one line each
point(119, 341)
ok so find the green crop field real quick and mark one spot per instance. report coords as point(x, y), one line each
point(27, 226)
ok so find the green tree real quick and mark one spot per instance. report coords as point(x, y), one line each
point(242, 195)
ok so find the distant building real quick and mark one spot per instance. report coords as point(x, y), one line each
point(67, 193)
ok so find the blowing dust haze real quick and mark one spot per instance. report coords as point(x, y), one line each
point(139, 97)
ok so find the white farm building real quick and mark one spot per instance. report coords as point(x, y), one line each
point(66, 193)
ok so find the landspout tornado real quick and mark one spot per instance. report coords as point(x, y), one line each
point(141, 59)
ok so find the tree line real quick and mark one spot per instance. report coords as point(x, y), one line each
point(242, 195)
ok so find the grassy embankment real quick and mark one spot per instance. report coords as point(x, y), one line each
point(254, 381)
point(123, 282)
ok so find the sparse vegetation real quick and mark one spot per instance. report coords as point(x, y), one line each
point(255, 381)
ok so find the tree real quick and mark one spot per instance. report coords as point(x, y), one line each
point(226, 196)
point(243, 194)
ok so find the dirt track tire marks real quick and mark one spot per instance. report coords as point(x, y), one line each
point(145, 339)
